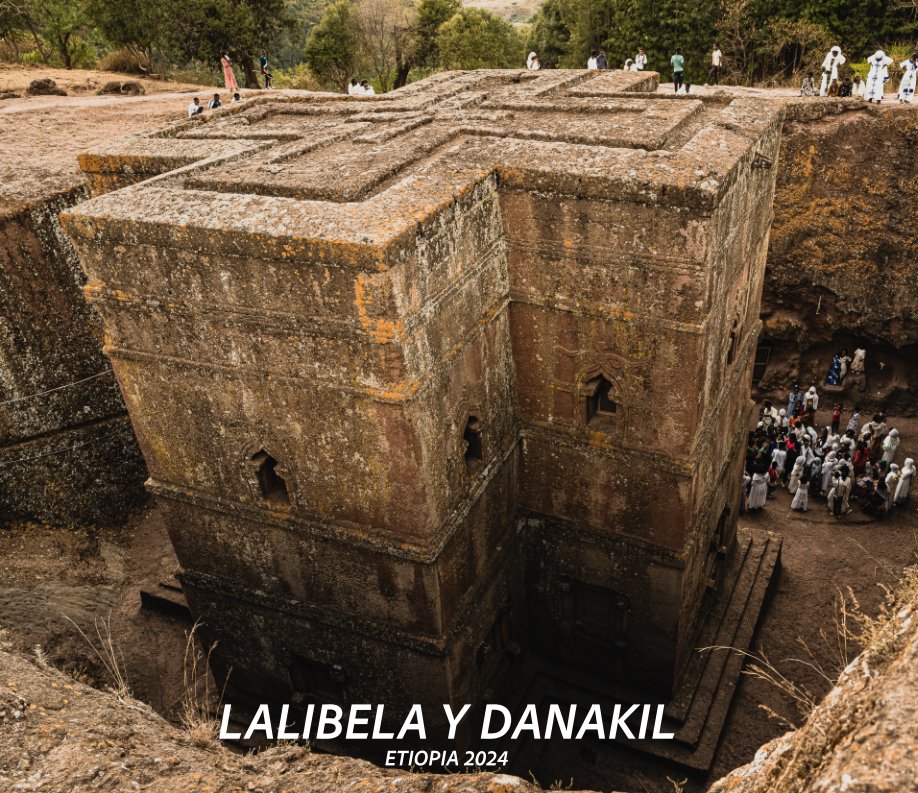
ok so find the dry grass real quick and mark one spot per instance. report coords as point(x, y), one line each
point(108, 654)
point(853, 632)
point(199, 702)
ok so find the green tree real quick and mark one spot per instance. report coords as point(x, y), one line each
point(135, 25)
point(477, 39)
point(64, 25)
point(331, 49)
point(204, 29)
point(431, 14)
point(550, 35)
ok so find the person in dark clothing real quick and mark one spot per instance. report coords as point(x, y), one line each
point(265, 71)
point(678, 64)
point(214, 103)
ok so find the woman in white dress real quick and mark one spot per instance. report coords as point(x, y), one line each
point(793, 481)
point(801, 492)
point(828, 468)
point(758, 493)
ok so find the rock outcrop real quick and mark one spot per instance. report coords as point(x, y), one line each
point(862, 736)
point(61, 736)
point(843, 248)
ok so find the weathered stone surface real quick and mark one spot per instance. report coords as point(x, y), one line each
point(67, 452)
point(374, 348)
point(843, 247)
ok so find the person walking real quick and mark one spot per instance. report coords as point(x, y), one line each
point(678, 64)
point(229, 77)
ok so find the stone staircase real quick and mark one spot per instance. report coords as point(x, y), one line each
point(697, 712)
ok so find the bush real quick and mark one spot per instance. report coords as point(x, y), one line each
point(298, 77)
point(126, 61)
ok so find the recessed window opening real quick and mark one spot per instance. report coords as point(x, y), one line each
point(600, 403)
point(271, 484)
point(474, 452)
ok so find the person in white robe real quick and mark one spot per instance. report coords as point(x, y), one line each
point(793, 481)
point(532, 62)
point(801, 497)
point(909, 78)
point(892, 484)
point(858, 87)
point(640, 60)
point(779, 457)
point(591, 61)
point(744, 492)
point(758, 492)
point(630, 66)
point(843, 490)
point(830, 64)
point(905, 481)
point(828, 469)
point(890, 444)
point(854, 422)
point(811, 396)
point(879, 64)
point(857, 363)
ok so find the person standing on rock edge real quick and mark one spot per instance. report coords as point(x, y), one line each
point(602, 62)
point(265, 71)
point(717, 58)
point(877, 76)
point(229, 77)
point(830, 64)
point(678, 64)
point(909, 78)
point(640, 60)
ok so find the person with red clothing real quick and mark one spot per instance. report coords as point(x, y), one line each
point(836, 418)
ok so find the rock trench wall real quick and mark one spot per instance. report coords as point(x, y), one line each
point(844, 242)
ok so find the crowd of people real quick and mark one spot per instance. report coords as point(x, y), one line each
point(598, 61)
point(873, 88)
point(857, 465)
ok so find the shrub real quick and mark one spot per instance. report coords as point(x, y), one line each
point(126, 61)
point(298, 76)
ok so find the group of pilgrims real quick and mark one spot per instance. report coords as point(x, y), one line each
point(857, 465)
point(873, 88)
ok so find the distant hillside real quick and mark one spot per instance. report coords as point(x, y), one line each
point(517, 11)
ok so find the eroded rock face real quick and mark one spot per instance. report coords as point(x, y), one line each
point(841, 264)
point(409, 371)
point(61, 736)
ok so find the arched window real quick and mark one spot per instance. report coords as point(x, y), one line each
point(600, 404)
point(474, 450)
point(270, 482)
